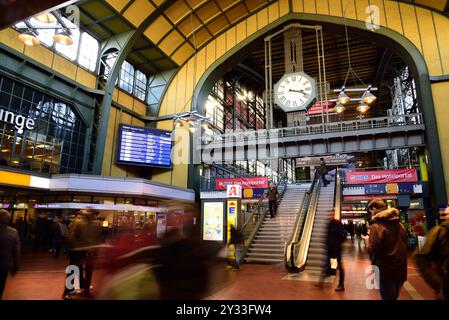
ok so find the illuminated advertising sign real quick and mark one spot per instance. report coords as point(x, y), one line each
point(231, 216)
point(213, 221)
point(234, 191)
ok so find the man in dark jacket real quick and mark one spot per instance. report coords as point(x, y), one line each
point(322, 170)
point(433, 260)
point(388, 248)
point(9, 250)
point(272, 199)
point(336, 235)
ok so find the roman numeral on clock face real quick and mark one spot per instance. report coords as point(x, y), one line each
point(282, 98)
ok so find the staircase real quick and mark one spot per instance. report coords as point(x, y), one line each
point(317, 247)
point(268, 245)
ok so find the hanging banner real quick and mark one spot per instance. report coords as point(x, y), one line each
point(385, 176)
point(246, 183)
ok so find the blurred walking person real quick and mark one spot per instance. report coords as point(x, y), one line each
point(387, 246)
point(59, 235)
point(336, 236)
point(237, 241)
point(83, 240)
point(433, 259)
point(9, 250)
point(272, 199)
point(351, 229)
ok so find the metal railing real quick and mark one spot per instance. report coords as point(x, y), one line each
point(254, 221)
point(313, 129)
point(291, 247)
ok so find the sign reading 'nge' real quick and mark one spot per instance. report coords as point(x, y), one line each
point(19, 122)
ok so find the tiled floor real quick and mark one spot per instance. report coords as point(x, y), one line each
point(42, 278)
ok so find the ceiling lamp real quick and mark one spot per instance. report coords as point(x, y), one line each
point(362, 107)
point(63, 38)
point(343, 98)
point(339, 108)
point(178, 123)
point(46, 17)
point(205, 125)
point(192, 127)
point(368, 97)
point(29, 38)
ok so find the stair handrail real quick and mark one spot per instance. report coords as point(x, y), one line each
point(282, 183)
point(296, 248)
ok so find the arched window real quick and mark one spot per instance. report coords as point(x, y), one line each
point(126, 80)
point(88, 54)
point(140, 85)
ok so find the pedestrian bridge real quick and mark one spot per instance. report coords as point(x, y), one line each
point(379, 133)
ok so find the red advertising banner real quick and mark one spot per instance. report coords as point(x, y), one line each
point(385, 176)
point(246, 183)
point(317, 109)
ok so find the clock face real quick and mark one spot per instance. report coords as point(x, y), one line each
point(294, 92)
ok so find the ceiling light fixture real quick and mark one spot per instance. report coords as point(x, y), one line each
point(362, 107)
point(46, 17)
point(29, 38)
point(339, 108)
point(368, 97)
point(63, 37)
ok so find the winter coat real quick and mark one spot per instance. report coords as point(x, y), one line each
point(84, 233)
point(272, 194)
point(9, 248)
point(336, 235)
point(433, 259)
point(388, 246)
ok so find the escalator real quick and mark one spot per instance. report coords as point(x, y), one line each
point(306, 248)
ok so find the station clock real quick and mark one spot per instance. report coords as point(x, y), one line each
point(294, 92)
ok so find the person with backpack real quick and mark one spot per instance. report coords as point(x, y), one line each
point(433, 259)
point(387, 247)
point(336, 236)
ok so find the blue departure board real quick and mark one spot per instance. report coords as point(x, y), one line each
point(144, 146)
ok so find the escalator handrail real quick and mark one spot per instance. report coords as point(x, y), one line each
point(337, 195)
point(296, 234)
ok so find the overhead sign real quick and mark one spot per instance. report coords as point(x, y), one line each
point(385, 176)
point(334, 160)
point(234, 191)
point(320, 107)
point(213, 221)
point(246, 183)
point(144, 146)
